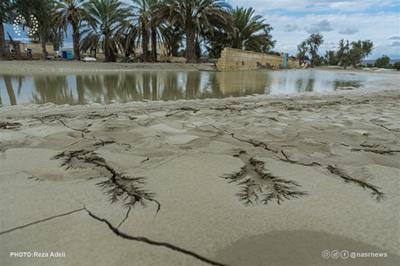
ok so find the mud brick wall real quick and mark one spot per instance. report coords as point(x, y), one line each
point(235, 59)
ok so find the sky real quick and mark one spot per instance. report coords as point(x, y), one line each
point(294, 20)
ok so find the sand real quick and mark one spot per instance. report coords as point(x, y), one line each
point(241, 181)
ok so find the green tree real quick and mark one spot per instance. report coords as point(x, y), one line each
point(308, 49)
point(72, 12)
point(383, 62)
point(44, 12)
point(331, 58)
point(245, 31)
point(195, 17)
point(343, 53)
point(6, 14)
point(103, 24)
point(396, 65)
point(359, 50)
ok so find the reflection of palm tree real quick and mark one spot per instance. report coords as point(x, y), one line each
point(52, 89)
point(171, 90)
point(111, 86)
point(154, 86)
point(80, 89)
point(192, 84)
point(10, 90)
point(129, 90)
point(94, 85)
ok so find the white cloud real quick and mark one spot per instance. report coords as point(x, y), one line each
point(314, 5)
point(375, 27)
point(290, 28)
point(348, 31)
point(323, 25)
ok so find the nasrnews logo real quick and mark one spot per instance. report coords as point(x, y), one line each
point(36, 254)
point(345, 254)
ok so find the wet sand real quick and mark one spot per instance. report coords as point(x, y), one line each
point(240, 181)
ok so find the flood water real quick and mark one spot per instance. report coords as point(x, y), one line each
point(168, 85)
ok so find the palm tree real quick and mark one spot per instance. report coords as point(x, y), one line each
point(147, 23)
point(104, 22)
point(246, 31)
point(43, 11)
point(5, 15)
point(72, 12)
point(250, 32)
point(195, 16)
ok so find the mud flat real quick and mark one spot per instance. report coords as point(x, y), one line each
point(239, 181)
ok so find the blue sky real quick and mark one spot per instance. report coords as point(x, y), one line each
point(294, 20)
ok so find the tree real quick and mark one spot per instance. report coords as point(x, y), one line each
point(148, 22)
point(396, 65)
point(354, 53)
point(359, 50)
point(103, 23)
point(71, 12)
point(331, 58)
point(195, 17)
point(343, 53)
point(383, 62)
point(308, 49)
point(245, 31)
point(43, 11)
point(6, 7)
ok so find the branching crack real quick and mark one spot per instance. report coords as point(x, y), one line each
point(259, 185)
point(119, 187)
point(348, 179)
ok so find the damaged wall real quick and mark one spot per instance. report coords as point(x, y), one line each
point(236, 59)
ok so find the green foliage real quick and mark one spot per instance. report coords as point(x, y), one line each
point(331, 58)
point(71, 12)
point(383, 62)
point(103, 24)
point(195, 18)
point(308, 49)
point(246, 31)
point(397, 65)
point(354, 53)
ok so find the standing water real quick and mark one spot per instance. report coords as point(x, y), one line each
point(168, 85)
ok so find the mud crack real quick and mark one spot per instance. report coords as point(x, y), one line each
point(119, 187)
point(258, 185)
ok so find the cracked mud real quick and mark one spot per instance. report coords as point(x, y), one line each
point(151, 174)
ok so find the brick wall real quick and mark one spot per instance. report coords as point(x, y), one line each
point(235, 59)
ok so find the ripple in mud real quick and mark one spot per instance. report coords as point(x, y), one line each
point(299, 248)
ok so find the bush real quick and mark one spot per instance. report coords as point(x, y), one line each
point(383, 62)
point(396, 65)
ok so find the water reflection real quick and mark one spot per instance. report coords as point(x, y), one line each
point(167, 85)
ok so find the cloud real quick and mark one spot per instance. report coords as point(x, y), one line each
point(323, 25)
point(290, 28)
point(348, 31)
point(395, 44)
point(316, 5)
point(394, 38)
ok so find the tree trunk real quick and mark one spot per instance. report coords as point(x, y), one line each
point(44, 50)
point(154, 44)
point(76, 40)
point(2, 40)
point(145, 45)
point(190, 45)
